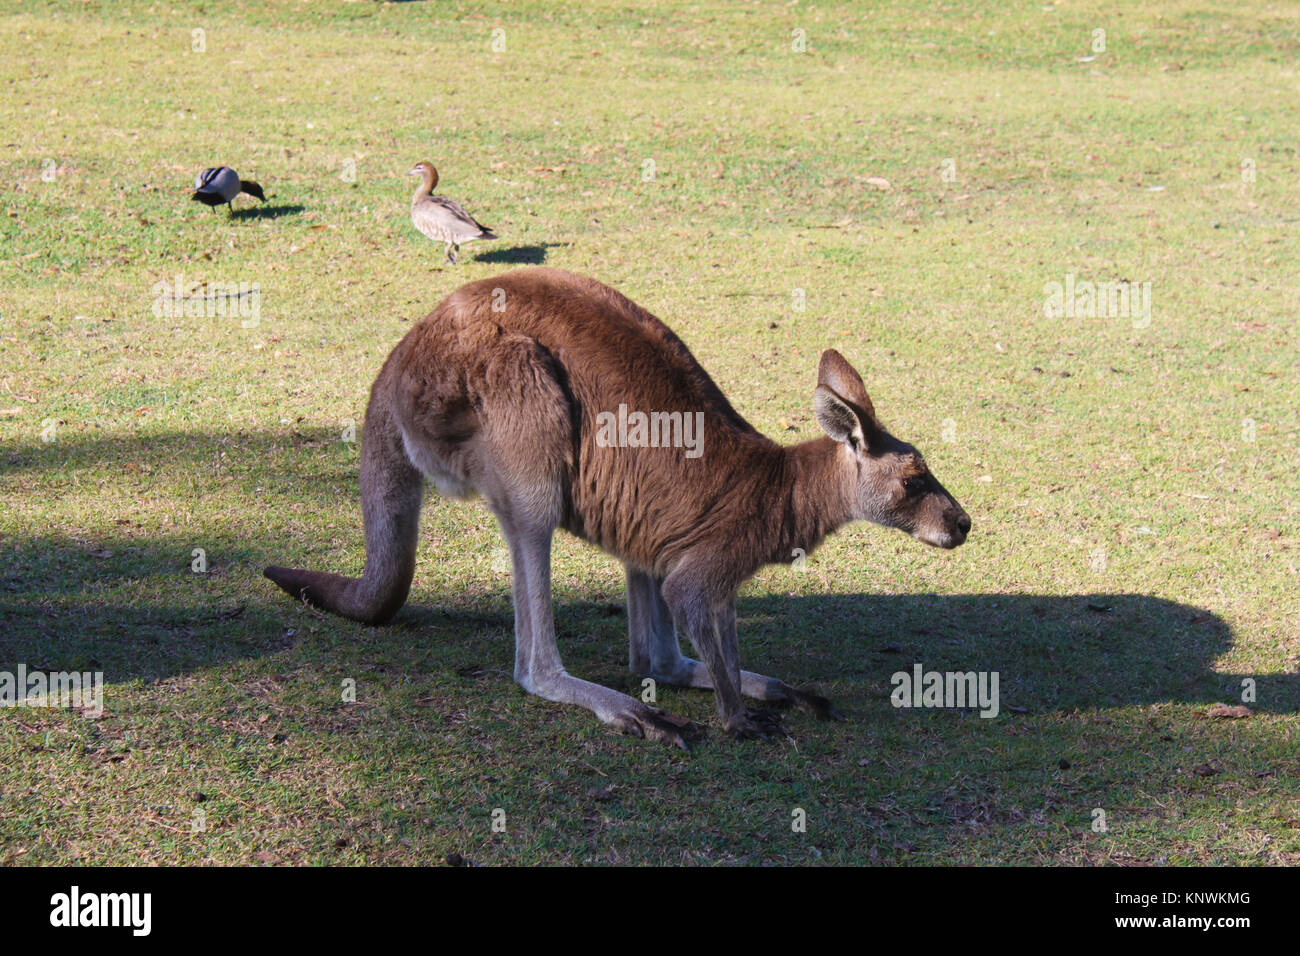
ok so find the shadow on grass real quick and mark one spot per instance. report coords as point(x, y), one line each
point(268, 212)
point(136, 610)
point(131, 602)
point(173, 455)
point(1051, 653)
point(519, 255)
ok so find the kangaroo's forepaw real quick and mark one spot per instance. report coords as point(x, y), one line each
point(818, 706)
point(755, 725)
point(653, 724)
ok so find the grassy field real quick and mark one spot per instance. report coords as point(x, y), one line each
point(905, 189)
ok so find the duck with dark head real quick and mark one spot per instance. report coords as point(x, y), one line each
point(221, 184)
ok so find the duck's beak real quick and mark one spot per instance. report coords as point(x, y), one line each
point(414, 171)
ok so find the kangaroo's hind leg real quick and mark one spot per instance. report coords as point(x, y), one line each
point(524, 467)
point(538, 667)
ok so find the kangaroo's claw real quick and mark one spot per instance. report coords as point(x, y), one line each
point(651, 723)
point(817, 705)
point(755, 725)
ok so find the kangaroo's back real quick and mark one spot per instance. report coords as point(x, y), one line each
point(591, 390)
point(604, 341)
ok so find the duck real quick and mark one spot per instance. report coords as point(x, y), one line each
point(441, 219)
point(221, 184)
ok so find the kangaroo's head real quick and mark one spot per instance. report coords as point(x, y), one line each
point(893, 485)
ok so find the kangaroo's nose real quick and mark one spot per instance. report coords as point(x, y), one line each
point(963, 523)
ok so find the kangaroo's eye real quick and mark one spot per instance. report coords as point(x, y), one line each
point(914, 485)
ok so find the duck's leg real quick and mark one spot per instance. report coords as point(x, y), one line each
point(451, 252)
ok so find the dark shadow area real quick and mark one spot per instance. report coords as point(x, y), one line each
point(174, 453)
point(267, 212)
point(136, 610)
point(520, 255)
point(1051, 653)
point(129, 600)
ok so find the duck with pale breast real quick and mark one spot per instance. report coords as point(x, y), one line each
point(221, 184)
point(441, 219)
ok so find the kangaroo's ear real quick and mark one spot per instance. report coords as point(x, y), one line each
point(837, 418)
point(843, 379)
point(839, 391)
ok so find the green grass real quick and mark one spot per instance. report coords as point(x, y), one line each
point(1105, 466)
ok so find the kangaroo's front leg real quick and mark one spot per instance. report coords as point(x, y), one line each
point(694, 611)
point(653, 650)
point(538, 667)
point(769, 688)
point(656, 651)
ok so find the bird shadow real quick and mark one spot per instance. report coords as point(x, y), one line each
point(519, 255)
point(267, 212)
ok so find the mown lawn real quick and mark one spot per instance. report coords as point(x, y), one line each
point(1132, 479)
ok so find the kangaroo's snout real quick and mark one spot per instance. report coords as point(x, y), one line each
point(946, 529)
point(958, 529)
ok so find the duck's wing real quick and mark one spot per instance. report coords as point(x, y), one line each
point(219, 181)
point(204, 179)
point(430, 219)
point(457, 219)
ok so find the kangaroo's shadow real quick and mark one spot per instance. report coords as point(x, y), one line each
point(133, 603)
point(1051, 652)
point(139, 610)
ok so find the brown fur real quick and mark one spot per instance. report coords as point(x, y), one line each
point(498, 391)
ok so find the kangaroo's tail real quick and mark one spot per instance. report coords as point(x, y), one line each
point(391, 493)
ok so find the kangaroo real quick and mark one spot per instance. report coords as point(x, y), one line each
point(507, 390)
